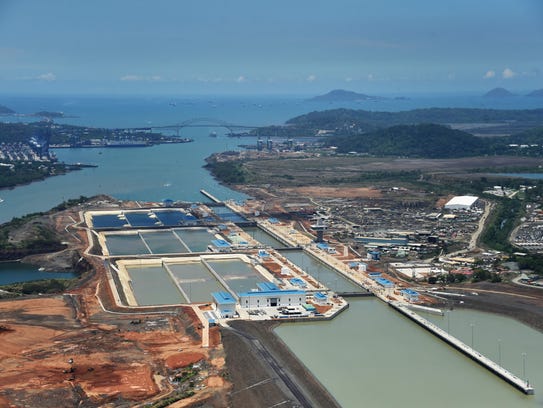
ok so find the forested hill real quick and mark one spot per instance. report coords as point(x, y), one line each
point(362, 120)
point(425, 140)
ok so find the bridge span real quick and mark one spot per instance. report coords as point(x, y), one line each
point(196, 123)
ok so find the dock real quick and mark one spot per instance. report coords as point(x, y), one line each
point(487, 363)
point(210, 196)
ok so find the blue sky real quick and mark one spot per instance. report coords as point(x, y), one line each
point(280, 46)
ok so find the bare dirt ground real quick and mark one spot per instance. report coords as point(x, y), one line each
point(334, 170)
point(264, 372)
point(67, 351)
point(334, 192)
point(519, 302)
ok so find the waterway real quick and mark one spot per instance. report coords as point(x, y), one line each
point(263, 237)
point(323, 273)
point(530, 176)
point(369, 355)
point(372, 356)
point(11, 272)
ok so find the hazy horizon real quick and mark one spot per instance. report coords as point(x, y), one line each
point(241, 47)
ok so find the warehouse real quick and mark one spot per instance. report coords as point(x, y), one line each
point(461, 203)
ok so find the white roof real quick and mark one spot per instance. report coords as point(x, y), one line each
point(462, 200)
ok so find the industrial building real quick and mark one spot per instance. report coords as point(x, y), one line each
point(225, 304)
point(269, 295)
point(461, 203)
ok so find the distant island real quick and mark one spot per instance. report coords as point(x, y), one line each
point(537, 93)
point(4, 110)
point(498, 93)
point(47, 114)
point(341, 95)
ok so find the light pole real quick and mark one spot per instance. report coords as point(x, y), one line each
point(500, 352)
point(472, 325)
point(524, 366)
point(448, 321)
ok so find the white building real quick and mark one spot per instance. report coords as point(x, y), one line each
point(461, 203)
point(269, 295)
point(225, 304)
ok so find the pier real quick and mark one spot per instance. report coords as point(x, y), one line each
point(210, 196)
point(487, 363)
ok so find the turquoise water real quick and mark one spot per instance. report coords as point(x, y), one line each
point(263, 237)
point(177, 241)
point(163, 242)
point(12, 272)
point(372, 356)
point(323, 273)
point(196, 281)
point(197, 239)
point(238, 275)
point(126, 244)
point(152, 285)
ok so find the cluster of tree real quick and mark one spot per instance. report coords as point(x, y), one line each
point(349, 122)
point(424, 140)
point(43, 239)
point(533, 262)
point(22, 173)
point(501, 223)
point(39, 286)
point(229, 172)
point(336, 118)
point(479, 275)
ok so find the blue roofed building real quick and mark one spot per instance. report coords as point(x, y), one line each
point(410, 295)
point(225, 304)
point(384, 282)
point(320, 298)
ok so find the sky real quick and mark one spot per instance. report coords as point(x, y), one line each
point(261, 47)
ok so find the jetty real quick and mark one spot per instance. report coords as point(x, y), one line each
point(210, 196)
point(520, 384)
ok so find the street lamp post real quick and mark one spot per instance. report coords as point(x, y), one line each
point(472, 325)
point(524, 366)
point(500, 352)
point(448, 321)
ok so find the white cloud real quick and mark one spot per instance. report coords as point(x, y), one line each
point(348, 79)
point(489, 74)
point(132, 78)
point(241, 78)
point(49, 77)
point(508, 73)
point(371, 77)
point(311, 78)
point(451, 76)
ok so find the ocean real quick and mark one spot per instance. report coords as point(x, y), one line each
point(176, 172)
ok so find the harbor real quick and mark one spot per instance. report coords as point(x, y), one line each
point(253, 286)
point(385, 291)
